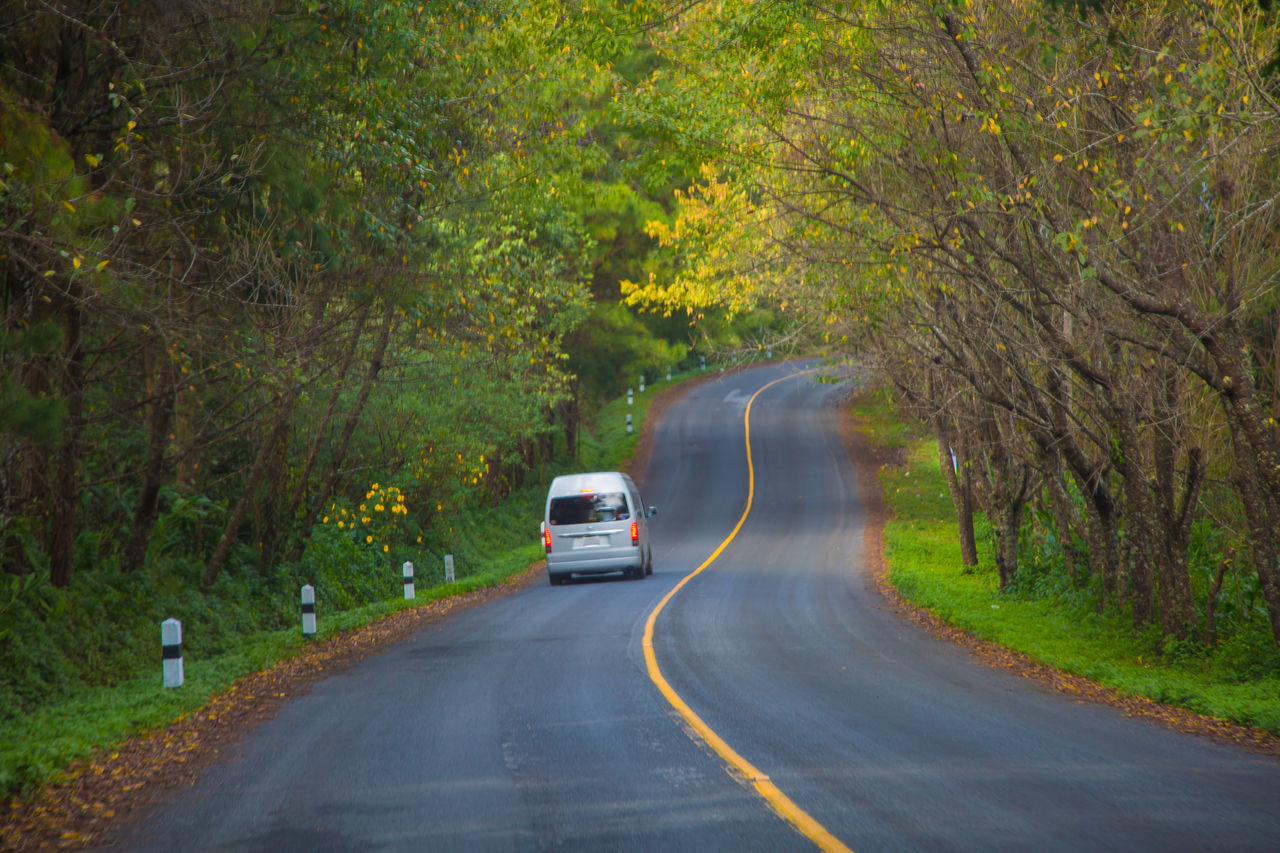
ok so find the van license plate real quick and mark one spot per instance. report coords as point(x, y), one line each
point(590, 541)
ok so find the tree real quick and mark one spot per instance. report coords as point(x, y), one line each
point(1030, 210)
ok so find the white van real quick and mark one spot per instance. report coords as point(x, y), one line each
point(595, 524)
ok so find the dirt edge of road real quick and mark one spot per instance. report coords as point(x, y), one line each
point(867, 461)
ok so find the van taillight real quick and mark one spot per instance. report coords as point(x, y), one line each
point(635, 533)
point(546, 538)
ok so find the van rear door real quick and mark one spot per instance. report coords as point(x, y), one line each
point(586, 521)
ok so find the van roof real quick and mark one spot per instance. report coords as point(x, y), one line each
point(596, 481)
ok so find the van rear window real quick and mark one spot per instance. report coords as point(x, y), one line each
point(589, 509)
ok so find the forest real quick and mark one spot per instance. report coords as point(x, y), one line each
point(289, 284)
point(1052, 227)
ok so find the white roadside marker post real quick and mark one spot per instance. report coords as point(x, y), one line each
point(668, 374)
point(703, 361)
point(641, 384)
point(171, 652)
point(448, 568)
point(408, 581)
point(309, 610)
point(628, 423)
point(628, 396)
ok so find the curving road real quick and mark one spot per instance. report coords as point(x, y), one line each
point(532, 722)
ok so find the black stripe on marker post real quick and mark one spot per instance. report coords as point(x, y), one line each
point(173, 652)
point(308, 607)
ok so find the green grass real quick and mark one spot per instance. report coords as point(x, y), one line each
point(38, 744)
point(36, 747)
point(1066, 631)
point(610, 448)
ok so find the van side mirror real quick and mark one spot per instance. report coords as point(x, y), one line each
point(653, 510)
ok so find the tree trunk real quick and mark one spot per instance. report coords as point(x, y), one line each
point(1211, 601)
point(28, 474)
point(148, 506)
point(267, 518)
point(1264, 536)
point(1065, 516)
point(278, 425)
point(952, 458)
point(960, 486)
point(1008, 528)
point(1098, 525)
point(1173, 579)
point(66, 495)
point(322, 426)
point(1006, 483)
point(569, 415)
point(353, 416)
point(1257, 462)
point(1264, 539)
point(1139, 516)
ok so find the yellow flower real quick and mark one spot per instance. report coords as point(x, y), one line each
point(326, 520)
point(377, 507)
point(340, 524)
point(368, 539)
point(384, 549)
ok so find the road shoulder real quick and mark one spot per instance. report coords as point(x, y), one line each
point(867, 461)
point(103, 792)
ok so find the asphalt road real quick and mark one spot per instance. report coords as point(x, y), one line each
point(532, 722)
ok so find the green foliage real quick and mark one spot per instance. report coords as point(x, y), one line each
point(343, 568)
point(34, 667)
point(371, 231)
point(79, 668)
point(613, 349)
point(38, 172)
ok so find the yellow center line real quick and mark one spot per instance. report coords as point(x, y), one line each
point(778, 801)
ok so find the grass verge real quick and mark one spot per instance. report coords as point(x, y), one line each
point(1065, 632)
